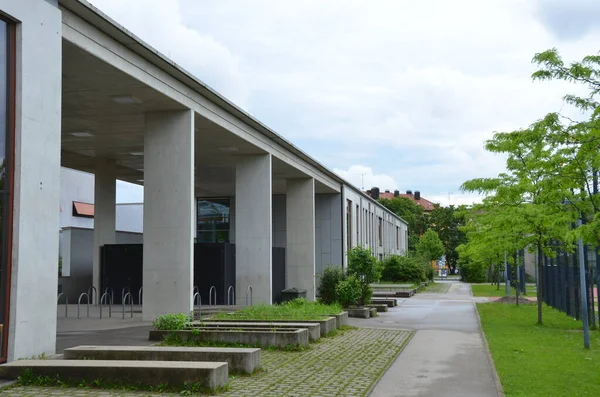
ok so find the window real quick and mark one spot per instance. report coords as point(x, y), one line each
point(397, 238)
point(357, 225)
point(213, 220)
point(7, 131)
point(380, 231)
point(349, 224)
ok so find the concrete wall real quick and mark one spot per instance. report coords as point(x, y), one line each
point(32, 326)
point(77, 245)
point(364, 228)
point(328, 231)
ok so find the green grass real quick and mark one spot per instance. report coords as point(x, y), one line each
point(488, 290)
point(298, 309)
point(547, 360)
point(434, 287)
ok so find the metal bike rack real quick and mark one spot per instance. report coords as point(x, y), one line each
point(195, 290)
point(108, 301)
point(140, 295)
point(125, 291)
point(230, 295)
point(210, 295)
point(95, 300)
point(87, 298)
point(66, 302)
point(249, 289)
point(130, 302)
point(112, 293)
point(194, 300)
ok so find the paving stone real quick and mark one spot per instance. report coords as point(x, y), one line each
point(346, 365)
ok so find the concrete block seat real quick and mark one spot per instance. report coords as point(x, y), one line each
point(390, 302)
point(359, 312)
point(314, 329)
point(381, 307)
point(153, 373)
point(246, 360)
point(263, 337)
point(328, 324)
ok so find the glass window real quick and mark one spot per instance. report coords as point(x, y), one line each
point(213, 220)
point(6, 132)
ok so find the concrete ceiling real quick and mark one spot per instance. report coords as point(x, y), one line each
point(117, 130)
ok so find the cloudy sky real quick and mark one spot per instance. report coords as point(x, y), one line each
point(398, 94)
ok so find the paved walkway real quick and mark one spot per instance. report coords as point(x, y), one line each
point(446, 356)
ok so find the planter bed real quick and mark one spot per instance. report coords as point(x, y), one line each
point(263, 338)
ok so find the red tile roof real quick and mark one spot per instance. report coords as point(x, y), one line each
point(426, 204)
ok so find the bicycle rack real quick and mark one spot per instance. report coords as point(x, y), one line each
point(108, 301)
point(140, 295)
point(210, 295)
point(95, 300)
point(112, 293)
point(194, 300)
point(230, 294)
point(130, 302)
point(124, 292)
point(195, 290)
point(249, 289)
point(87, 298)
point(66, 302)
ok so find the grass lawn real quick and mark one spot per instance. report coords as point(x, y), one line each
point(547, 360)
point(491, 290)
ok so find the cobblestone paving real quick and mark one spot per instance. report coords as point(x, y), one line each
point(346, 365)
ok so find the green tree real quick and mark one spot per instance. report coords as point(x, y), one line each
point(412, 213)
point(430, 246)
point(447, 223)
point(366, 268)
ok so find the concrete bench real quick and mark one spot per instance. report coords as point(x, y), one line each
point(153, 373)
point(379, 307)
point(314, 329)
point(245, 360)
point(359, 312)
point(328, 324)
point(264, 338)
point(385, 301)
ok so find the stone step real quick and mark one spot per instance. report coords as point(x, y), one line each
point(328, 324)
point(153, 373)
point(263, 338)
point(314, 329)
point(245, 360)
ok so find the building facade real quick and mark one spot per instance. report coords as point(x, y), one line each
point(80, 91)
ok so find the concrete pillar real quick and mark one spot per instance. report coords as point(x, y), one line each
point(253, 228)
point(33, 249)
point(105, 195)
point(300, 237)
point(168, 213)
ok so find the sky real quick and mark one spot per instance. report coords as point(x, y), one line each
point(394, 94)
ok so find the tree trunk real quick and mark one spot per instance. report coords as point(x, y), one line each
point(540, 263)
point(517, 276)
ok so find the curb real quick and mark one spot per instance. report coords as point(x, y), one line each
point(497, 381)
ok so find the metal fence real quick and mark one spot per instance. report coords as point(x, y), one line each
point(561, 287)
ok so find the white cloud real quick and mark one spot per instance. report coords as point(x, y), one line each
point(455, 199)
point(408, 88)
point(364, 177)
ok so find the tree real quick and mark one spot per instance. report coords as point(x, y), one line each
point(430, 246)
point(447, 223)
point(366, 268)
point(412, 213)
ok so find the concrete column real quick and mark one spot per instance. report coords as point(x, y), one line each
point(33, 251)
point(105, 195)
point(168, 213)
point(300, 233)
point(253, 228)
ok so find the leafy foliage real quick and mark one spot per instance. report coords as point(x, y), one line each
point(412, 213)
point(348, 291)
point(430, 246)
point(447, 223)
point(404, 268)
point(330, 278)
point(172, 322)
point(366, 268)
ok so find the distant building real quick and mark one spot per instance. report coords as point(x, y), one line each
point(427, 205)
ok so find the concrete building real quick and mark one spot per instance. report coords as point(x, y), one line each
point(79, 91)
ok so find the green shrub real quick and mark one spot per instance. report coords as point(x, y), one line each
point(348, 291)
point(472, 271)
point(171, 322)
point(330, 278)
point(429, 273)
point(367, 270)
point(391, 269)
